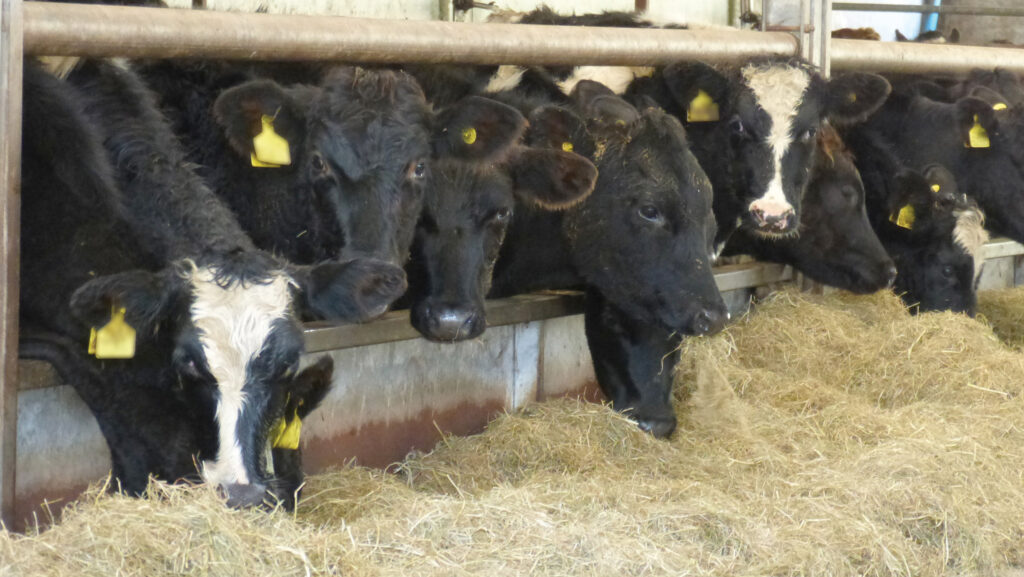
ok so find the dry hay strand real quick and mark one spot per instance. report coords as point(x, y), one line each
point(831, 435)
point(1003, 310)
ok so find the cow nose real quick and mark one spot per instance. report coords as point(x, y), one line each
point(709, 321)
point(244, 496)
point(659, 427)
point(453, 323)
point(890, 275)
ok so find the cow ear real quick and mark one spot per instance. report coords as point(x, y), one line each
point(991, 97)
point(685, 81)
point(930, 90)
point(308, 389)
point(853, 97)
point(900, 37)
point(353, 291)
point(552, 179)
point(240, 111)
point(954, 36)
point(1009, 86)
point(478, 128)
point(147, 297)
point(597, 102)
point(561, 129)
point(972, 114)
point(913, 189)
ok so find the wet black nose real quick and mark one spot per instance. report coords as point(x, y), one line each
point(450, 323)
point(709, 321)
point(890, 275)
point(244, 496)
point(660, 428)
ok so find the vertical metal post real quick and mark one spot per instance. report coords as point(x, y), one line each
point(805, 34)
point(825, 26)
point(764, 15)
point(10, 230)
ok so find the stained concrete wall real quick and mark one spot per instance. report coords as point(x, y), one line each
point(984, 29)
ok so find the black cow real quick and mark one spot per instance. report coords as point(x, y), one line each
point(357, 148)
point(836, 244)
point(640, 244)
point(933, 232)
point(215, 319)
point(978, 144)
point(468, 206)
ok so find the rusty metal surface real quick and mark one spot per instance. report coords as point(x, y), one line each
point(69, 29)
point(10, 231)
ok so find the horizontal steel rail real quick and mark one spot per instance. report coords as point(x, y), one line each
point(99, 31)
point(967, 10)
point(80, 30)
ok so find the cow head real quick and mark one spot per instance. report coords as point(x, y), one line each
point(771, 111)
point(237, 339)
point(935, 235)
point(836, 244)
point(644, 238)
point(359, 145)
point(471, 193)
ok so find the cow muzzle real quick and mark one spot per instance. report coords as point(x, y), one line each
point(773, 217)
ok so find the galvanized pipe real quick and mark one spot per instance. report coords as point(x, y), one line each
point(70, 29)
point(917, 58)
point(969, 10)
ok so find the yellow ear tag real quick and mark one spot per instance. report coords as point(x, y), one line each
point(905, 218)
point(115, 340)
point(851, 97)
point(999, 106)
point(270, 149)
point(702, 108)
point(936, 188)
point(977, 137)
point(286, 434)
point(567, 146)
point(469, 135)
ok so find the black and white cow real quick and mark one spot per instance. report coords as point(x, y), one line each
point(836, 244)
point(933, 231)
point(758, 146)
point(216, 320)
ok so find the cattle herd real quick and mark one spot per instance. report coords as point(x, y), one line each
point(191, 214)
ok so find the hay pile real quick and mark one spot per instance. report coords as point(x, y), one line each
point(1003, 310)
point(819, 436)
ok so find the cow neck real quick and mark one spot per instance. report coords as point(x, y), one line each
point(536, 255)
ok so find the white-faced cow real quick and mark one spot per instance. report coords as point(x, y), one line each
point(216, 321)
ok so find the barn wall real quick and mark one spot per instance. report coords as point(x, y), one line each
point(984, 29)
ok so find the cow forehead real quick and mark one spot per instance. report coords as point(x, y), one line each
point(234, 319)
point(778, 90)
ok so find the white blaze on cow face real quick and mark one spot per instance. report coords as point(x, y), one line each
point(506, 78)
point(970, 235)
point(779, 91)
point(233, 325)
point(616, 78)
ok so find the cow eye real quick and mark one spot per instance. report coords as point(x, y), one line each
point(318, 164)
point(501, 214)
point(736, 125)
point(947, 271)
point(650, 213)
point(417, 169)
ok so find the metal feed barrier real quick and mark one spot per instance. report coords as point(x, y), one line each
point(29, 28)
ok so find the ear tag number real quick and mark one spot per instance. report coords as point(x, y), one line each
point(702, 108)
point(905, 217)
point(469, 135)
point(567, 146)
point(286, 433)
point(977, 137)
point(114, 340)
point(270, 149)
point(999, 106)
